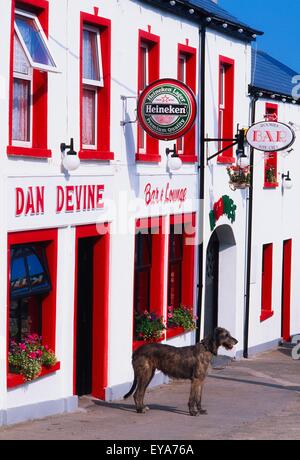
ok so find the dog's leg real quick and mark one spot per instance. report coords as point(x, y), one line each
point(139, 395)
point(194, 396)
point(199, 401)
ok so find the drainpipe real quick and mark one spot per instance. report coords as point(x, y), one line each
point(249, 240)
point(201, 149)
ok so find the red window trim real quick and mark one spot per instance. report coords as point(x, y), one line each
point(103, 151)
point(267, 282)
point(152, 145)
point(49, 304)
point(227, 156)
point(286, 288)
point(157, 275)
point(189, 145)
point(271, 161)
point(188, 266)
point(40, 85)
point(100, 309)
point(15, 380)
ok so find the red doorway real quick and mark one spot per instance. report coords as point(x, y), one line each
point(286, 289)
point(91, 310)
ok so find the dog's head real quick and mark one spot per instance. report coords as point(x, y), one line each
point(223, 338)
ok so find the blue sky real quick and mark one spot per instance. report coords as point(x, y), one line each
point(279, 19)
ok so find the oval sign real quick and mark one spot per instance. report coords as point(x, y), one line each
point(167, 109)
point(270, 136)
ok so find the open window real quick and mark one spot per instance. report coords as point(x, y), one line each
point(34, 41)
point(31, 61)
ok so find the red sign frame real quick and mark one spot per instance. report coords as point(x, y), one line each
point(184, 90)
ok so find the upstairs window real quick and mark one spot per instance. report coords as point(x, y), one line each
point(95, 88)
point(226, 108)
point(187, 73)
point(148, 72)
point(92, 81)
point(271, 172)
point(31, 61)
point(34, 41)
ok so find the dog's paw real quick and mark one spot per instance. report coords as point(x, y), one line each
point(142, 411)
point(147, 408)
point(202, 412)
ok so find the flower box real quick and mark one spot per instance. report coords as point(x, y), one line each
point(139, 343)
point(175, 332)
point(17, 380)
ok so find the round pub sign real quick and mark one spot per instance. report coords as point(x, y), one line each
point(167, 109)
point(270, 136)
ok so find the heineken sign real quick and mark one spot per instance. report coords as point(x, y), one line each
point(167, 109)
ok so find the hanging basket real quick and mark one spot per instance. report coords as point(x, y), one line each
point(238, 186)
point(239, 178)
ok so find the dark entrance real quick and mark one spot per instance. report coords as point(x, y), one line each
point(85, 277)
point(212, 286)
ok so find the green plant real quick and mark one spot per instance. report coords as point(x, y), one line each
point(182, 317)
point(148, 326)
point(239, 176)
point(28, 357)
point(271, 175)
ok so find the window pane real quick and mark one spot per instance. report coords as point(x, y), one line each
point(34, 41)
point(18, 279)
point(89, 117)
point(142, 291)
point(222, 86)
point(91, 68)
point(21, 110)
point(174, 294)
point(25, 318)
point(182, 69)
point(21, 63)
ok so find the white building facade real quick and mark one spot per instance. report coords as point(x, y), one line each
point(77, 262)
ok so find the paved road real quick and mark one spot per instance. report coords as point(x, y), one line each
point(253, 399)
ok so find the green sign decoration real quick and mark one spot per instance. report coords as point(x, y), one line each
point(224, 207)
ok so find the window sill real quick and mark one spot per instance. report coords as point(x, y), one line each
point(17, 380)
point(266, 314)
point(96, 155)
point(175, 332)
point(139, 343)
point(223, 160)
point(271, 185)
point(28, 152)
point(188, 158)
point(147, 158)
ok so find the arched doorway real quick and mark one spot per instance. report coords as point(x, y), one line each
point(220, 281)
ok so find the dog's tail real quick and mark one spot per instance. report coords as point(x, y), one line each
point(131, 389)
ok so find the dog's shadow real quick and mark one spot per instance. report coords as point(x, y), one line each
point(131, 407)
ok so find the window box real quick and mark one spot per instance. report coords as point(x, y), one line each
point(266, 314)
point(271, 185)
point(17, 380)
point(175, 332)
point(139, 343)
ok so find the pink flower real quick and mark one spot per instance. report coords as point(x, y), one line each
point(32, 355)
point(39, 354)
point(170, 308)
point(46, 348)
point(170, 316)
point(22, 346)
point(145, 312)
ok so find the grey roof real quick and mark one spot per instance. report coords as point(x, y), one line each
point(271, 75)
point(206, 8)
